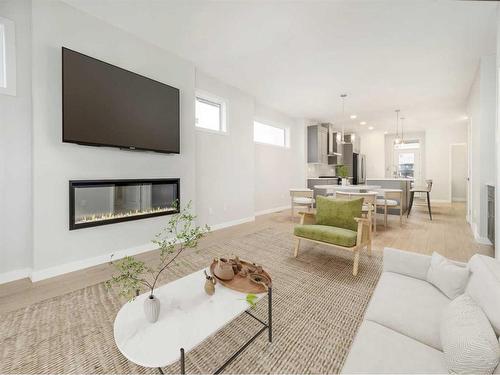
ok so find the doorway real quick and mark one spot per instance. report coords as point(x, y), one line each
point(458, 172)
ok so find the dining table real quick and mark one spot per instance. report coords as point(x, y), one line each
point(329, 189)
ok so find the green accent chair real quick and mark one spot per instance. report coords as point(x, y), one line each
point(337, 223)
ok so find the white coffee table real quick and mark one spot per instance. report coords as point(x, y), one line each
point(187, 317)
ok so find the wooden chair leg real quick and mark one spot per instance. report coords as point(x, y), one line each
point(411, 203)
point(297, 245)
point(375, 219)
point(385, 216)
point(356, 263)
point(429, 205)
point(400, 215)
point(292, 208)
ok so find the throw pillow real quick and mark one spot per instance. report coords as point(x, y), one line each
point(338, 213)
point(469, 342)
point(448, 277)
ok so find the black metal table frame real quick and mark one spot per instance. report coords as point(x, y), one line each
point(268, 326)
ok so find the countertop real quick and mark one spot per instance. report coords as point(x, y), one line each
point(389, 179)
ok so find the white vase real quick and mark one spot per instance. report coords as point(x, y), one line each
point(152, 308)
point(345, 182)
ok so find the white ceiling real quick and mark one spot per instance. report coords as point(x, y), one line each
point(299, 56)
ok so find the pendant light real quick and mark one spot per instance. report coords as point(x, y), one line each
point(342, 137)
point(402, 134)
point(397, 140)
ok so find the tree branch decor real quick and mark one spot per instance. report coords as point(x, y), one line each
point(180, 233)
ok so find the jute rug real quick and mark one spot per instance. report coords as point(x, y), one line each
point(318, 306)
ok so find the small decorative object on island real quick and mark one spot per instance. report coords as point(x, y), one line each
point(343, 172)
point(179, 234)
point(210, 284)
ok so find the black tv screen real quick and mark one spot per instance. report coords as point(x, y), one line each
point(104, 105)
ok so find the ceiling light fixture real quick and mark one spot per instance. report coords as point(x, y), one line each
point(386, 132)
point(397, 140)
point(362, 123)
point(371, 128)
point(353, 117)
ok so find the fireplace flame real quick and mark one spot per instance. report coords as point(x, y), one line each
point(119, 215)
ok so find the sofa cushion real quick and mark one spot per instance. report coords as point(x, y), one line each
point(338, 213)
point(378, 349)
point(484, 287)
point(325, 233)
point(406, 263)
point(469, 342)
point(409, 306)
point(447, 276)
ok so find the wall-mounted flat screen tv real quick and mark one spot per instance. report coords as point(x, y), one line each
point(104, 105)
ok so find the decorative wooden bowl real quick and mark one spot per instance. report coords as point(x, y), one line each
point(245, 284)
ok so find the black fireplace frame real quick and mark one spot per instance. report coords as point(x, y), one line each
point(119, 182)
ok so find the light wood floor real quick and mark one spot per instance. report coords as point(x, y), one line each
point(448, 233)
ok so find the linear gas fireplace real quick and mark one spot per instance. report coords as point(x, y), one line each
point(99, 202)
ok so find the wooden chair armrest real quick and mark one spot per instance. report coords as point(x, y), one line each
point(307, 218)
point(362, 220)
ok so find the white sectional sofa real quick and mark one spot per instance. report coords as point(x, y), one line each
point(401, 328)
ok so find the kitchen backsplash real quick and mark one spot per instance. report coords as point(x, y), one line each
point(315, 170)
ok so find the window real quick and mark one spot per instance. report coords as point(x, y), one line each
point(268, 134)
point(7, 57)
point(210, 113)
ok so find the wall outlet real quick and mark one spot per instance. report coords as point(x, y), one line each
point(225, 206)
point(210, 211)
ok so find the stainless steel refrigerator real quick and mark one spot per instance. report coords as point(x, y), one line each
point(358, 168)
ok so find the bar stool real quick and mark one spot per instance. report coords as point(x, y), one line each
point(421, 189)
point(391, 198)
point(301, 197)
point(369, 204)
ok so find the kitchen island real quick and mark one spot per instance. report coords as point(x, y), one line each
point(394, 183)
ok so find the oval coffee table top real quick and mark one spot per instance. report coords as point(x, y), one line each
point(187, 317)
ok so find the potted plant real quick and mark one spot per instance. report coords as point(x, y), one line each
point(179, 234)
point(343, 172)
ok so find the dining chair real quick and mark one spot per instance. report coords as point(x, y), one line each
point(421, 189)
point(302, 197)
point(369, 203)
point(391, 198)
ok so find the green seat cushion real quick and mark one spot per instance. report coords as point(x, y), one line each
point(325, 233)
point(338, 213)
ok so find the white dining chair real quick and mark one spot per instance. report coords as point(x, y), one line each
point(302, 198)
point(391, 198)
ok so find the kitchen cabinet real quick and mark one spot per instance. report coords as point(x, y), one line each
point(317, 144)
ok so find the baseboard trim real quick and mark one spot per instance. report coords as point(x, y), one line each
point(272, 210)
point(232, 223)
point(14, 275)
point(456, 199)
point(46, 273)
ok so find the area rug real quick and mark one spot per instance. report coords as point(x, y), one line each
point(318, 306)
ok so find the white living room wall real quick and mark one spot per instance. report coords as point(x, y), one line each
point(225, 162)
point(56, 24)
point(481, 109)
point(15, 153)
point(278, 169)
point(217, 172)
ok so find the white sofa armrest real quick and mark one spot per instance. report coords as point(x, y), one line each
point(406, 263)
